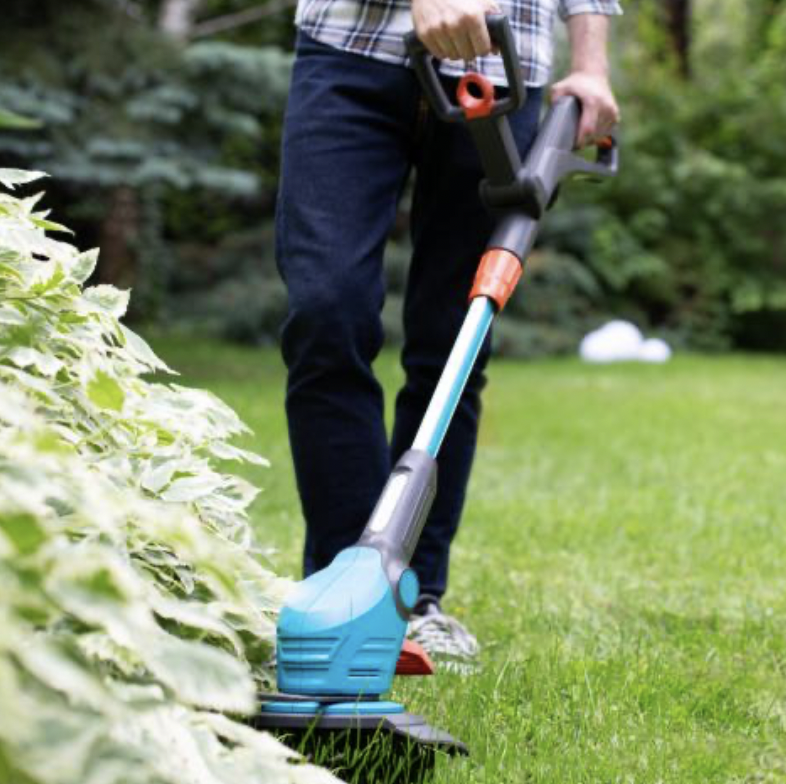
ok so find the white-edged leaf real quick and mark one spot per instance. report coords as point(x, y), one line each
point(201, 675)
point(83, 265)
point(141, 351)
point(26, 357)
point(191, 488)
point(11, 316)
point(195, 615)
point(224, 451)
point(13, 177)
point(156, 477)
point(107, 299)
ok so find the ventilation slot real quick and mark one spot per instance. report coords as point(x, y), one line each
point(364, 672)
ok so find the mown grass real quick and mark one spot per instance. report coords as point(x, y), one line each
point(622, 560)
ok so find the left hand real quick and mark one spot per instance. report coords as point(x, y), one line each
point(599, 110)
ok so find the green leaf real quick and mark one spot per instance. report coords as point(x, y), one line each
point(48, 225)
point(14, 121)
point(23, 531)
point(105, 392)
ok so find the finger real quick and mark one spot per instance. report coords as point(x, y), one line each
point(433, 44)
point(612, 117)
point(450, 48)
point(463, 42)
point(587, 125)
point(479, 37)
point(606, 122)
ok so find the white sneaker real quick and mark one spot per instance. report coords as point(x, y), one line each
point(445, 639)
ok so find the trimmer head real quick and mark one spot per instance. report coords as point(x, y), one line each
point(367, 741)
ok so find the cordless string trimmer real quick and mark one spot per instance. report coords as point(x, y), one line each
point(341, 631)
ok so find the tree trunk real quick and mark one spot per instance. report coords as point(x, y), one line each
point(678, 19)
point(177, 17)
point(119, 235)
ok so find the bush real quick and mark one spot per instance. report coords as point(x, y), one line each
point(135, 609)
point(687, 236)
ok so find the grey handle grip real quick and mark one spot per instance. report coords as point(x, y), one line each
point(551, 160)
point(423, 63)
point(553, 157)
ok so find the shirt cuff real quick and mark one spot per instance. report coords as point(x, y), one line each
point(568, 8)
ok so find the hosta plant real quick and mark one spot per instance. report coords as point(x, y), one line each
point(136, 616)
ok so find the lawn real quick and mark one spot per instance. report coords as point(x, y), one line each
point(622, 561)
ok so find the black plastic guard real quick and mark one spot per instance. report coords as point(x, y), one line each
point(373, 749)
point(406, 725)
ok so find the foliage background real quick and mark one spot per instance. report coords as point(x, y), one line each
point(163, 132)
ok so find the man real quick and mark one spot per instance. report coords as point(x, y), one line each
point(356, 124)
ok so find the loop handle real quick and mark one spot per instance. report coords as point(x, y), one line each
point(423, 62)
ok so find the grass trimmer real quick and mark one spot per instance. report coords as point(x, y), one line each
point(341, 631)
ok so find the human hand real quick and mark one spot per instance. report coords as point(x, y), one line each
point(599, 110)
point(454, 29)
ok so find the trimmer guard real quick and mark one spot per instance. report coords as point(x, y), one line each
point(407, 726)
point(365, 742)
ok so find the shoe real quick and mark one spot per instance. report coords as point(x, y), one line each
point(445, 639)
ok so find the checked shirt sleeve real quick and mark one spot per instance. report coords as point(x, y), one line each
point(568, 8)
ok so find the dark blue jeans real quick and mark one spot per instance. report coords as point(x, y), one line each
point(354, 129)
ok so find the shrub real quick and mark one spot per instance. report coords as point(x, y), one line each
point(135, 610)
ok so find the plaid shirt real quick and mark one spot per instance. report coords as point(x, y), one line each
point(375, 28)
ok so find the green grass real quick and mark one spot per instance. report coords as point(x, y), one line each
point(622, 560)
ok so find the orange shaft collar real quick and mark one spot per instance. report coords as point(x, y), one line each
point(497, 276)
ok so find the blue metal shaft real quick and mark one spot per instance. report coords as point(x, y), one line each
point(454, 377)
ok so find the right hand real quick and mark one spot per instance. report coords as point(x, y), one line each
point(454, 29)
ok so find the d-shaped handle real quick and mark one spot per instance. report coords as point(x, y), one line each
point(423, 62)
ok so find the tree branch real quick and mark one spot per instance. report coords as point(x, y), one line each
point(221, 24)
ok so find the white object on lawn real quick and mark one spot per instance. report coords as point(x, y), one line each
point(620, 341)
point(615, 341)
point(655, 350)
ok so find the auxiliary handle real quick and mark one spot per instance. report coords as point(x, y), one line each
point(501, 36)
point(553, 158)
point(529, 189)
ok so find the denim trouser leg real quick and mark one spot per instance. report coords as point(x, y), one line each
point(353, 129)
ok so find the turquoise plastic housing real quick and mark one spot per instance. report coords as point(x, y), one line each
point(339, 631)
